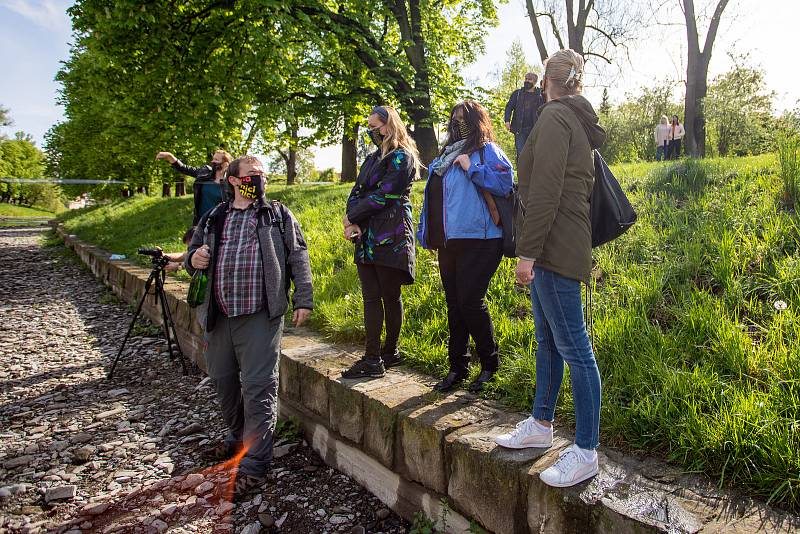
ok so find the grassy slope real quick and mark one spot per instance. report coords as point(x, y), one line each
point(697, 363)
point(12, 210)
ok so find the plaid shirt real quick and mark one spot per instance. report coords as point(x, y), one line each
point(239, 280)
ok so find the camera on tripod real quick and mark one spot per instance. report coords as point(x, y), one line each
point(157, 277)
point(156, 255)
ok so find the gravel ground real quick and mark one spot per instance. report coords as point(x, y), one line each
point(79, 453)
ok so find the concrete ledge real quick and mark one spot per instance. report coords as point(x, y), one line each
point(416, 450)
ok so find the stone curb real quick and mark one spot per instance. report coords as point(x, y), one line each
point(412, 448)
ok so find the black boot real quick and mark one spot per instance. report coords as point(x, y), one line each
point(449, 382)
point(477, 385)
point(365, 368)
point(391, 359)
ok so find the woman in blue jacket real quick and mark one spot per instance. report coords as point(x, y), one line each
point(459, 220)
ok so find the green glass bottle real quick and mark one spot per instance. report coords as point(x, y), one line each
point(197, 289)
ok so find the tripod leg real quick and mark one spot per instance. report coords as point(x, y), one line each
point(166, 317)
point(133, 322)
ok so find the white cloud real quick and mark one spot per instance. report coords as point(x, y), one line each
point(49, 14)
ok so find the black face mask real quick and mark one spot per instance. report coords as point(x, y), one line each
point(376, 136)
point(459, 129)
point(252, 187)
point(527, 86)
point(214, 166)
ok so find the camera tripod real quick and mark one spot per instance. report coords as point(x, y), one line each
point(157, 275)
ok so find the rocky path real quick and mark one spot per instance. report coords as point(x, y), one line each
point(79, 453)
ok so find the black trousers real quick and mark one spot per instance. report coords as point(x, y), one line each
point(383, 304)
point(466, 267)
point(674, 149)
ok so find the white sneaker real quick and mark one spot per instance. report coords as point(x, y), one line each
point(569, 469)
point(528, 433)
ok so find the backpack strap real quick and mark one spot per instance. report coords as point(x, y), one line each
point(487, 196)
point(278, 217)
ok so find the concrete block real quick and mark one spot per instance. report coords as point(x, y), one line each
point(486, 481)
point(289, 378)
point(345, 411)
point(319, 366)
point(421, 433)
point(381, 407)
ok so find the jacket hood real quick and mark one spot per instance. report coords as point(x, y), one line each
point(587, 117)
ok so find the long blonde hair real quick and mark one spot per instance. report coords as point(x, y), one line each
point(397, 136)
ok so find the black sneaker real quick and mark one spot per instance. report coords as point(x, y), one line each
point(449, 382)
point(392, 360)
point(480, 382)
point(365, 369)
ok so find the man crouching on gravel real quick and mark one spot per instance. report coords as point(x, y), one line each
point(251, 248)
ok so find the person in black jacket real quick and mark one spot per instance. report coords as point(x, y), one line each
point(378, 221)
point(207, 189)
point(522, 110)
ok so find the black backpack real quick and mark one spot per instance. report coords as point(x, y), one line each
point(507, 207)
point(610, 211)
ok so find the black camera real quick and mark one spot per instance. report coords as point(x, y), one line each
point(156, 255)
point(154, 252)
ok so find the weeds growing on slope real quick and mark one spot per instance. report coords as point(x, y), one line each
point(789, 158)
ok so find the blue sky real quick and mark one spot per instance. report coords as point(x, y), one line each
point(35, 35)
point(34, 38)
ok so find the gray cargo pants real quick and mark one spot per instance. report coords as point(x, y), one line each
point(242, 359)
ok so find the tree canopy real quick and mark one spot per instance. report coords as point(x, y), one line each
point(191, 76)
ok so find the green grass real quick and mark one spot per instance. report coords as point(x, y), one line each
point(12, 210)
point(698, 363)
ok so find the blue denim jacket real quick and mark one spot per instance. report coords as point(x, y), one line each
point(466, 215)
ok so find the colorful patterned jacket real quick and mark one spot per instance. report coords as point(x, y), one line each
point(379, 204)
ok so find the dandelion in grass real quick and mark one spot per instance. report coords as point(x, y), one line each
point(347, 297)
point(780, 305)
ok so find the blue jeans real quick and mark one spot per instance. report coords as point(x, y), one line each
point(661, 152)
point(561, 336)
point(520, 138)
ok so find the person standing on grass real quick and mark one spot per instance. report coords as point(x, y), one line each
point(676, 133)
point(554, 246)
point(207, 188)
point(459, 219)
point(662, 138)
point(522, 110)
point(378, 221)
point(252, 249)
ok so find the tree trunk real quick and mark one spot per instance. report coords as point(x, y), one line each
point(418, 101)
point(166, 189)
point(349, 151)
point(537, 32)
point(180, 186)
point(697, 77)
point(425, 137)
point(291, 162)
point(695, 120)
